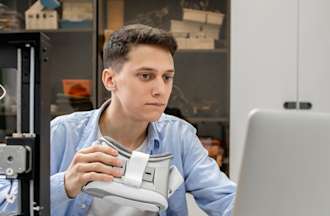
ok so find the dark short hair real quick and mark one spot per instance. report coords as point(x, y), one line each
point(118, 45)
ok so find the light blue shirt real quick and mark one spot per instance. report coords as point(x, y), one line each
point(213, 191)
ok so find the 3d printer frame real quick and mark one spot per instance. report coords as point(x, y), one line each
point(26, 154)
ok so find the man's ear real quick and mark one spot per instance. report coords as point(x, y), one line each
point(108, 79)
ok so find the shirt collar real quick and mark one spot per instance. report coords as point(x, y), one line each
point(90, 132)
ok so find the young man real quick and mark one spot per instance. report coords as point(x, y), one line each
point(139, 71)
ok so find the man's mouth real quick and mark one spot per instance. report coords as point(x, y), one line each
point(156, 104)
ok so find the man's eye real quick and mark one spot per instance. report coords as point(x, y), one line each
point(145, 76)
point(168, 78)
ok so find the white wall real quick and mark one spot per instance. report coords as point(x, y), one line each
point(263, 63)
point(314, 55)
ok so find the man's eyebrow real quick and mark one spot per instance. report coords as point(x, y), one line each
point(145, 69)
point(152, 69)
point(170, 71)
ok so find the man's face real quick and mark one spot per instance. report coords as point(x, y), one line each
point(144, 84)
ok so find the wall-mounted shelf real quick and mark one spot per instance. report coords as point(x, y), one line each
point(7, 113)
point(207, 119)
point(218, 50)
point(72, 30)
point(62, 30)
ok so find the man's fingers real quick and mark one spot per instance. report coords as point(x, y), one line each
point(94, 176)
point(99, 148)
point(99, 168)
point(97, 157)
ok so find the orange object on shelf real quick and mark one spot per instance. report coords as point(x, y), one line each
point(115, 14)
point(214, 148)
point(77, 87)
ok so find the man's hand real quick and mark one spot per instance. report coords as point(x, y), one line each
point(91, 164)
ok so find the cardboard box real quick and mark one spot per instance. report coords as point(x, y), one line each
point(77, 10)
point(211, 31)
point(189, 34)
point(38, 17)
point(194, 29)
point(214, 18)
point(195, 43)
point(185, 26)
point(203, 16)
point(181, 42)
point(194, 15)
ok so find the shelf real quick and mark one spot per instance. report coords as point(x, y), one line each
point(78, 30)
point(207, 119)
point(8, 114)
point(7, 130)
point(218, 50)
point(63, 30)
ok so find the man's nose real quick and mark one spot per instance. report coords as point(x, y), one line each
point(158, 88)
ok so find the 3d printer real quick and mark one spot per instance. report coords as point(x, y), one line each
point(24, 121)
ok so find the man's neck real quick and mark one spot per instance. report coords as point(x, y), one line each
point(128, 132)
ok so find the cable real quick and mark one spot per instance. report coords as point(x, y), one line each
point(4, 92)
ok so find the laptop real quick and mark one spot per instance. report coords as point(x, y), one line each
point(286, 165)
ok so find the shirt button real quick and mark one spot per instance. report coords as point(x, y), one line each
point(82, 206)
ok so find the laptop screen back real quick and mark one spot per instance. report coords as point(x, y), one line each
point(286, 165)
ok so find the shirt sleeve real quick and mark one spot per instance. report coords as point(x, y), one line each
point(58, 198)
point(211, 188)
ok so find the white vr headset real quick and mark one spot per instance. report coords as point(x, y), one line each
point(148, 180)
